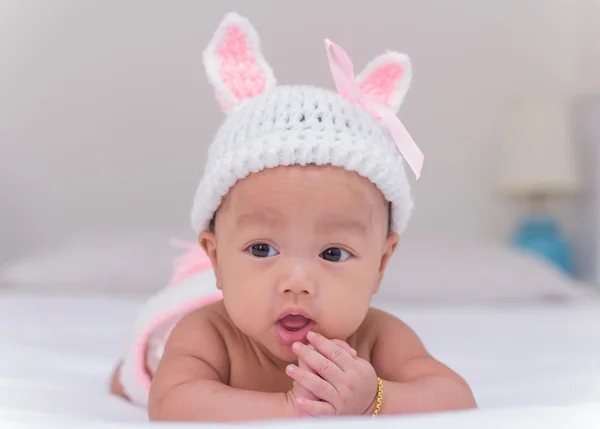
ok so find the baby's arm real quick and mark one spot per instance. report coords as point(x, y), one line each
point(413, 381)
point(190, 382)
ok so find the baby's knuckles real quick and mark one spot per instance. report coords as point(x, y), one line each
point(326, 367)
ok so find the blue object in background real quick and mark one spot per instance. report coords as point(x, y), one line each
point(542, 236)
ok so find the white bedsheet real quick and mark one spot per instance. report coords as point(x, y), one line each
point(523, 362)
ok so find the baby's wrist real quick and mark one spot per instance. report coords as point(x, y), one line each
point(370, 408)
point(375, 405)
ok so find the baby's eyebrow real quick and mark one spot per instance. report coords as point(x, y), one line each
point(342, 224)
point(258, 217)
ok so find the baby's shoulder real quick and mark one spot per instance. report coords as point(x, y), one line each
point(382, 330)
point(199, 335)
point(210, 319)
point(205, 325)
point(391, 340)
point(378, 320)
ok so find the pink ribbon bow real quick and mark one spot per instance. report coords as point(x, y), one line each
point(342, 71)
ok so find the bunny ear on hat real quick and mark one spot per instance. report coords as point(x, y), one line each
point(234, 63)
point(387, 76)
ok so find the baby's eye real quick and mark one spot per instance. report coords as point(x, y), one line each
point(335, 254)
point(263, 250)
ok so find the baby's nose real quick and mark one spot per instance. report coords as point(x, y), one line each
point(298, 289)
point(298, 282)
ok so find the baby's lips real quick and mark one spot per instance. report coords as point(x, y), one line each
point(294, 321)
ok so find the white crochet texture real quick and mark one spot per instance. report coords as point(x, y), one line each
point(301, 125)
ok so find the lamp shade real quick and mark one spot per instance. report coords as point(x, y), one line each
point(538, 155)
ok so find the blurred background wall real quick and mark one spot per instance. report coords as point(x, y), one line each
point(106, 114)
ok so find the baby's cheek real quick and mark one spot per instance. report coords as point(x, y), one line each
point(241, 313)
point(344, 315)
point(245, 303)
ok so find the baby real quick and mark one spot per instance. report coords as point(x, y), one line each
point(300, 208)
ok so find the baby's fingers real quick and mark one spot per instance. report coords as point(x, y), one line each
point(342, 344)
point(313, 383)
point(333, 350)
point(346, 347)
point(301, 390)
point(316, 408)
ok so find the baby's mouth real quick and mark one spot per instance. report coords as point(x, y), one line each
point(294, 322)
point(293, 328)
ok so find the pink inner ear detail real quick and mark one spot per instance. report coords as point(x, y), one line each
point(383, 81)
point(239, 69)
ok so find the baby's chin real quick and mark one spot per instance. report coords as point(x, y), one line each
point(287, 356)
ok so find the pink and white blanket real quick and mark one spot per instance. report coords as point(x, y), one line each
point(192, 285)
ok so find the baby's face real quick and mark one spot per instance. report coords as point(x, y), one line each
point(298, 249)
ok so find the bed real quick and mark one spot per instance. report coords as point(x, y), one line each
point(59, 351)
point(530, 351)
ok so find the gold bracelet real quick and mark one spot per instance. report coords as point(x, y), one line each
point(379, 396)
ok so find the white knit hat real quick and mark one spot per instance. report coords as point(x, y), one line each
point(267, 125)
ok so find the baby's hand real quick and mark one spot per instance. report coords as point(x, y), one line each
point(341, 382)
point(298, 391)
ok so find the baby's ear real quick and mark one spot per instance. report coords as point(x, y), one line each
point(234, 63)
point(388, 77)
point(389, 248)
point(208, 242)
